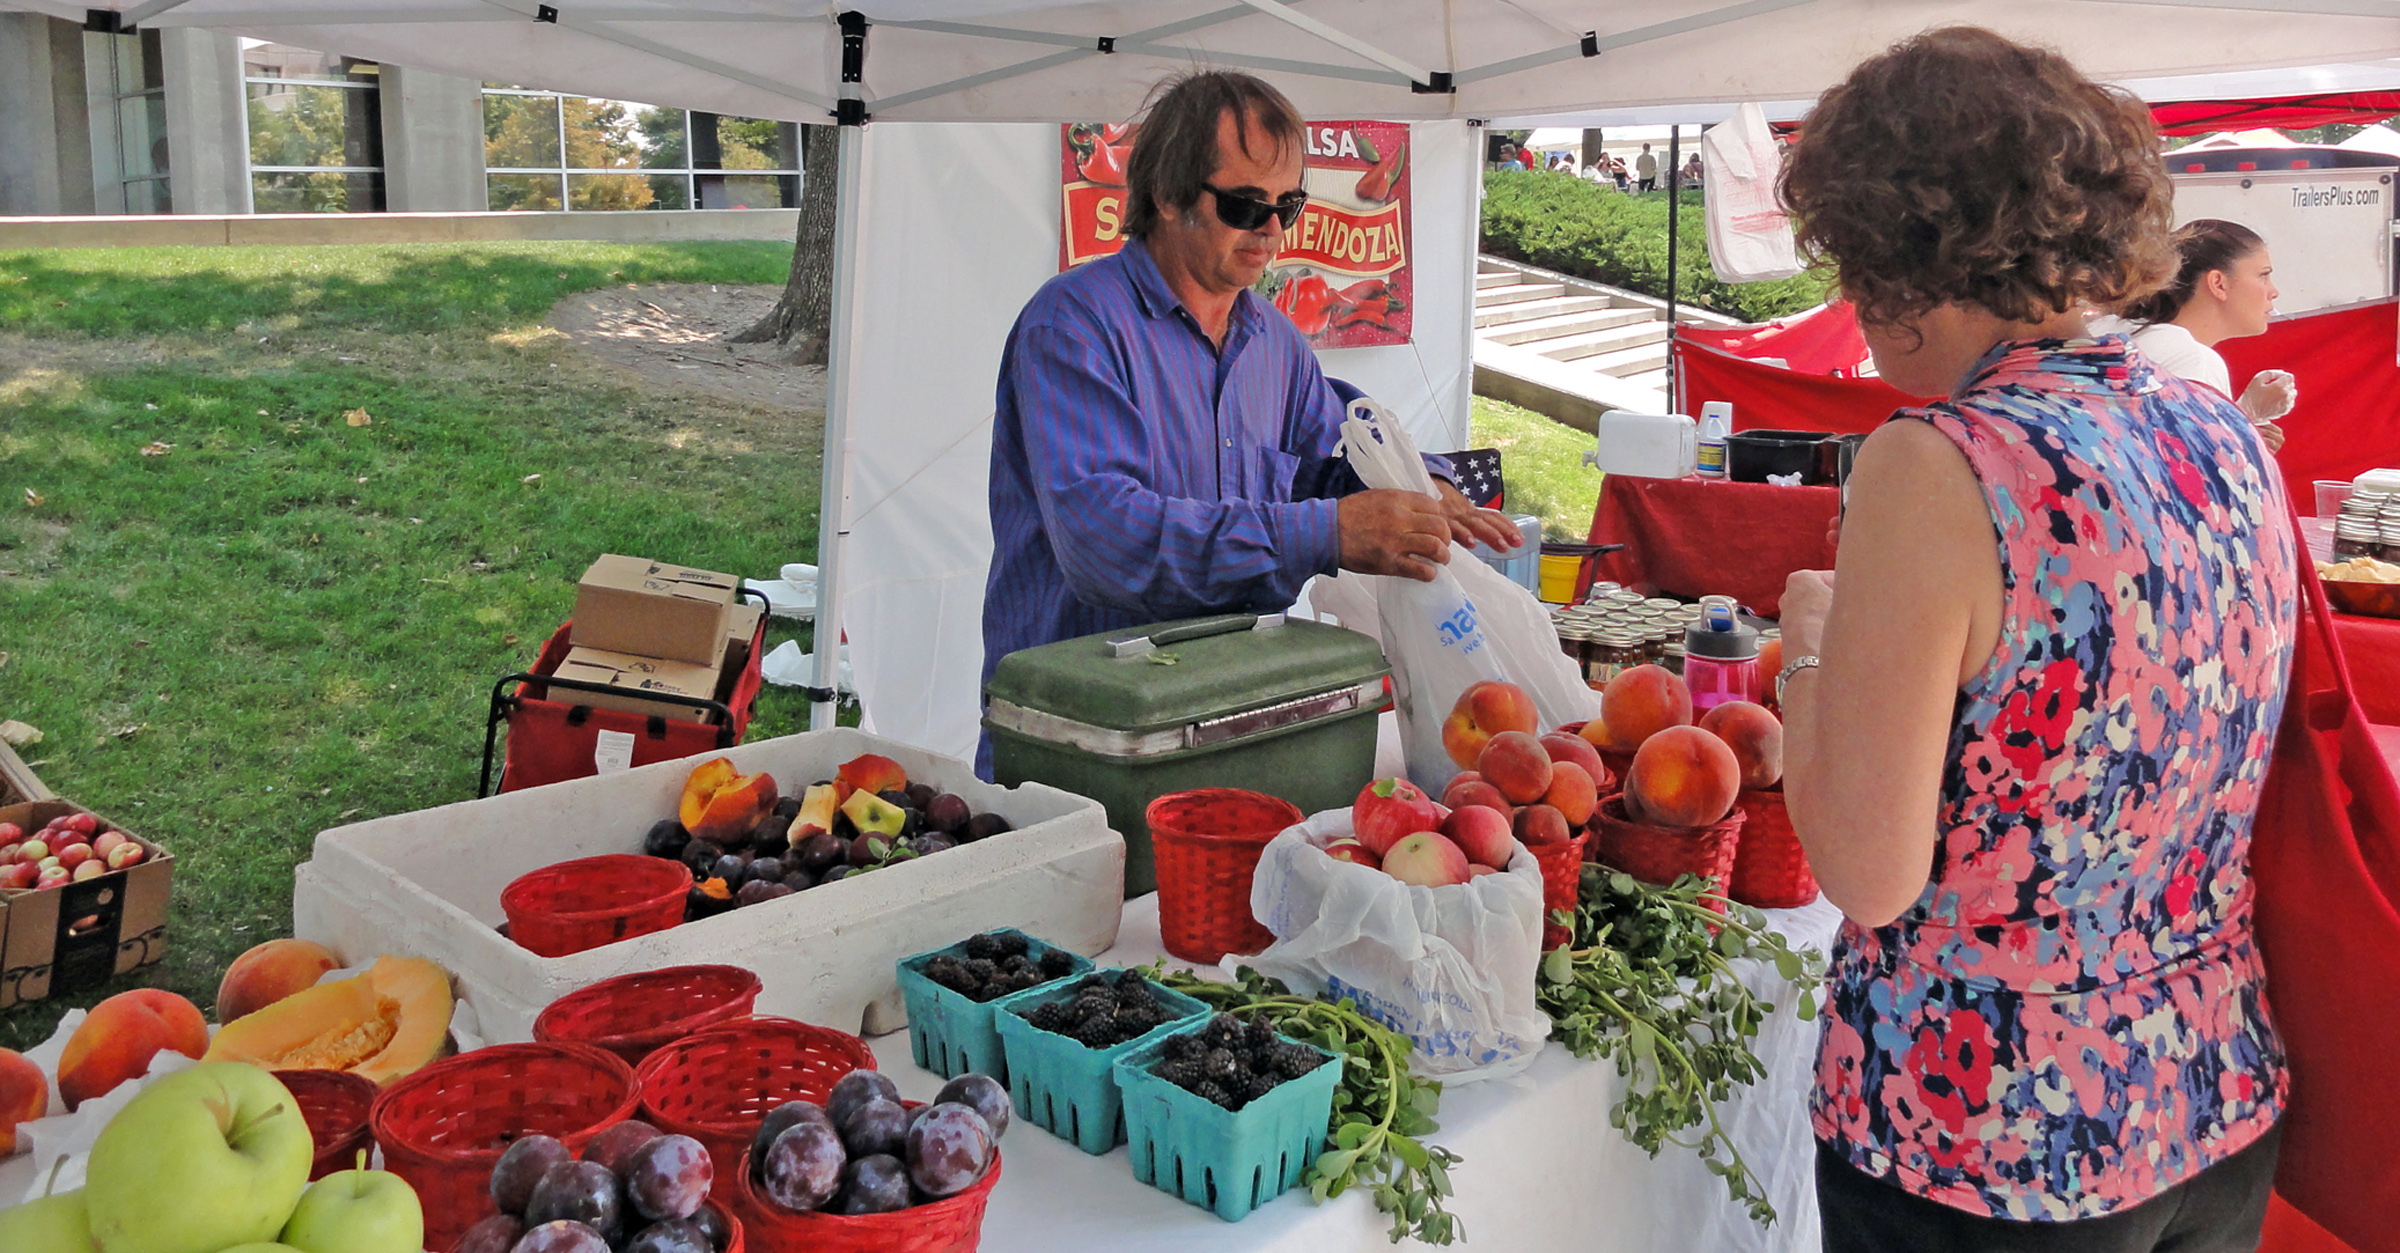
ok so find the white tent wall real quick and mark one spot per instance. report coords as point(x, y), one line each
point(961, 227)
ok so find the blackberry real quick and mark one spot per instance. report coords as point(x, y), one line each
point(1257, 1086)
point(1222, 1031)
point(1093, 983)
point(1098, 1031)
point(1182, 1047)
point(1294, 1060)
point(1259, 1034)
point(1220, 1065)
point(1056, 964)
point(1208, 1091)
point(982, 968)
point(1011, 945)
point(1184, 1074)
point(951, 973)
point(985, 946)
point(1050, 1017)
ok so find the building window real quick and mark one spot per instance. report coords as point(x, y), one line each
point(316, 131)
point(125, 85)
point(546, 151)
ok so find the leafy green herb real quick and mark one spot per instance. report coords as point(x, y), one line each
point(1381, 1111)
point(1649, 981)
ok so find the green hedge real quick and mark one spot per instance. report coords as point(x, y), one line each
point(1575, 227)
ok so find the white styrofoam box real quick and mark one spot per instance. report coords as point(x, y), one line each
point(428, 884)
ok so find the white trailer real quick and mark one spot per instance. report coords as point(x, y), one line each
point(2329, 230)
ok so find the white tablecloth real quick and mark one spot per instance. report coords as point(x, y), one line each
point(1543, 1170)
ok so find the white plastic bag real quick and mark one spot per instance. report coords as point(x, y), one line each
point(1749, 235)
point(1471, 623)
point(1451, 968)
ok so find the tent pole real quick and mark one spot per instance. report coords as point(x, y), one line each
point(833, 497)
point(1674, 160)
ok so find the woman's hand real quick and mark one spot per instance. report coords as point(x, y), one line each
point(2270, 395)
point(1807, 598)
point(2272, 434)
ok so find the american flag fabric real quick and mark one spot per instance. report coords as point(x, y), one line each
point(1476, 472)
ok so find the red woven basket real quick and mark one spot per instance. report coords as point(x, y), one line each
point(951, 1225)
point(1769, 870)
point(1207, 843)
point(1619, 765)
point(718, 1085)
point(444, 1127)
point(634, 1015)
point(1660, 855)
point(592, 901)
point(334, 1104)
point(1562, 884)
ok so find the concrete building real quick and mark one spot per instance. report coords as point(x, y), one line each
point(192, 121)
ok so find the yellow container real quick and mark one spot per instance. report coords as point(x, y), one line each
point(1558, 577)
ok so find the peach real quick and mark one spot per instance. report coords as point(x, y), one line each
point(120, 1036)
point(1427, 859)
point(102, 845)
point(126, 854)
point(1466, 795)
point(1637, 704)
point(735, 810)
point(269, 972)
point(1682, 777)
point(872, 772)
point(1476, 872)
point(74, 855)
point(1570, 747)
point(24, 1096)
point(1770, 664)
point(703, 782)
point(1517, 764)
point(1347, 848)
point(1482, 711)
point(87, 870)
point(1542, 824)
point(1388, 810)
point(1482, 834)
point(1755, 737)
point(1572, 793)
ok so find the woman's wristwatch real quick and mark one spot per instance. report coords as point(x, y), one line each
point(1806, 661)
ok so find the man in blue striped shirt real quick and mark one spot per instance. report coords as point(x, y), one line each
point(1165, 441)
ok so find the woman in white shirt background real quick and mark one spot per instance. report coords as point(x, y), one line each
point(2224, 290)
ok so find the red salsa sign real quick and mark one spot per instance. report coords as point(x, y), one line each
point(1342, 275)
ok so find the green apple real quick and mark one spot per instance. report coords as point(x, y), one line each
point(357, 1211)
point(202, 1160)
point(51, 1224)
point(260, 1246)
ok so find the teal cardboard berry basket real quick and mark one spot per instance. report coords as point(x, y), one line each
point(1067, 1087)
point(951, 1035)
point(1228, 1162)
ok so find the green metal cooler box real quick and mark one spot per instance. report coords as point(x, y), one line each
point(1261, 702)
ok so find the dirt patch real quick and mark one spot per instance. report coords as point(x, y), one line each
point(672, 337)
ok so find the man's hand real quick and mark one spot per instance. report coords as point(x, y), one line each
point(1469, 525)
point(1389, 531)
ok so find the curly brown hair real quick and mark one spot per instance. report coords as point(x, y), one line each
point(1961, 167)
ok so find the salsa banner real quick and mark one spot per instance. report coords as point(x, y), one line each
point(1342, 275)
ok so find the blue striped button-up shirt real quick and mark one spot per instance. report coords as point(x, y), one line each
point(1141, 473)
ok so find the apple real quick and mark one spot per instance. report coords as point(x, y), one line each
point(1483, 835)
point(199, 1161)
point(125, 854)
point(1347, 848)
point(32, 850)
point(357, 1211)
point(261, 1246)
point(54, 876)
point(1388, 809)
point(81, 824)
point(105, 841)
point(56, 1223)
point(87, 871)
point(1477, 872)
point(74, 855)
point(1427, 859)
point(10, 833)
point(20, 876)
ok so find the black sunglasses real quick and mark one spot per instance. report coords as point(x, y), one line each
point(1248, 213)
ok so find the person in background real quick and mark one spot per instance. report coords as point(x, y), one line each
point(1616, 170)
point(1692, 172)
point(1508, 157)
point(1645, 170)
point(2028, 715)
point(1596, 173)
point(2224, 289)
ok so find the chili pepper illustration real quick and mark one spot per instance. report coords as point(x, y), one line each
point(1376, 185)
point(1309, 302)
point(1101, 152)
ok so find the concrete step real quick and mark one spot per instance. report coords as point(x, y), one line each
point(1649, 378)
point(1628, 361)
point(1600, 343)
point(1532, 331)
point(1527, 311)
point(1518, 293)
point(1496, 278)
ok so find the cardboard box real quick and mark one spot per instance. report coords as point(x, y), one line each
point(64, 940)
point(634, 680)
point(17, 781)
point(741, 628)
point(646, 609)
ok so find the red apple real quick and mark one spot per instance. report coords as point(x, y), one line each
point(55, 876)
point(1483, 835)
point(1427, 859)
point(1461, 796)
point(10, 833)
point(1347, 848)
point(74, 855)
point(1388, 809)
point(106, 840)
point(81, 824)
point(19, 876)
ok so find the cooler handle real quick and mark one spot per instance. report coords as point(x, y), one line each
point(1141, 645)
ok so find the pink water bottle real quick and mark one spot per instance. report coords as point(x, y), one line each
point(1720, 657)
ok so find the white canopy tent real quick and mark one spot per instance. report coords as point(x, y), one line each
point(989, 61)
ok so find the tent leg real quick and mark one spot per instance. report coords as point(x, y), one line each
point(833, 505)
point(1674, 177)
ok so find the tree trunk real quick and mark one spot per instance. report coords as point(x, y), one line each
point(803, 317)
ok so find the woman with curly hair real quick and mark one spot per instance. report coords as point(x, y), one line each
point(2028, 716)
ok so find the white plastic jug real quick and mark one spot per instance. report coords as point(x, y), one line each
point(1650, 445)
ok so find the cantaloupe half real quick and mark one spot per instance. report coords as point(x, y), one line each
point(380, 1025)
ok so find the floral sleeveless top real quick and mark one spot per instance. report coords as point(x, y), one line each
point(2073, 1017)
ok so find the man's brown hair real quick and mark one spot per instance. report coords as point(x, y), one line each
point(1175, 151)
point(1961, 167)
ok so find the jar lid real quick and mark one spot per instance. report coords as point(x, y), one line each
point(1664, 602)
point(1606, 585)
point(1619, 639)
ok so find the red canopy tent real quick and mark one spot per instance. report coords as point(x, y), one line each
point(2199, 117)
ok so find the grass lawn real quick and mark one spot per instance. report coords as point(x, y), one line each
point(1541, 460)
point(277, 621)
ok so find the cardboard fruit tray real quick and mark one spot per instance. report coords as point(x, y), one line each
point(428, 884)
